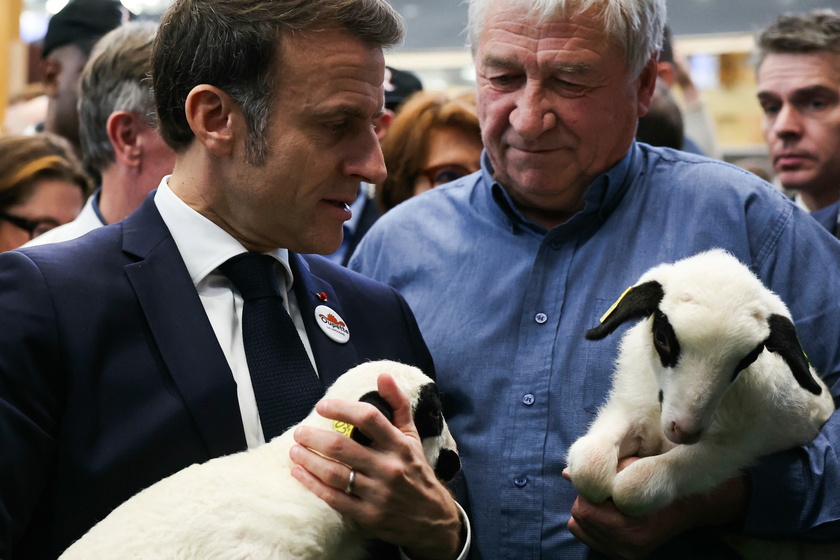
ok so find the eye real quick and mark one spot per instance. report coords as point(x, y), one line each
point(665, 340)
point(440, 174)
point(660, 339)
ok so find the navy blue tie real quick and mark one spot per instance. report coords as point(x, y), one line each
point(285, 383)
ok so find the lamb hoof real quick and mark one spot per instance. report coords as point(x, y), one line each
point(640, 488)
point(592, 468)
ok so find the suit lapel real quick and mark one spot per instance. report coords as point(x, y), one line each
point(331, 358)
point(181, 330)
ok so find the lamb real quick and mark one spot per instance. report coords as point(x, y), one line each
point(248, 505)
point(711, 379)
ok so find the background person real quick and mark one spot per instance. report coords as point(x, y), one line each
point(433, 139)
point(42, 185)
point(798, 74)
point(567, 211)
point(118, 130)
point(71, 34)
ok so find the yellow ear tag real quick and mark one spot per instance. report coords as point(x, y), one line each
point(343, 428)
point(613, 306)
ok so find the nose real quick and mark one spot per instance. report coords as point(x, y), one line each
point(677, 434)
point(788, 122)
point(365, 160)
point(532, 115)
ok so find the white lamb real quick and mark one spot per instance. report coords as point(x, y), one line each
point(248, 505)
point(712, 378)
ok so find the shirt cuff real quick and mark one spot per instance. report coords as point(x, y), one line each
point(467, 538)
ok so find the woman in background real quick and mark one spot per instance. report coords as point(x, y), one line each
point(42, 185)
point(433, 139)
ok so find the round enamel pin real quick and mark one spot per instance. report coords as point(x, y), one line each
point(332, 324)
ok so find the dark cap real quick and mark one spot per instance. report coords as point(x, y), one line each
point(399, 84)
point(82, 23)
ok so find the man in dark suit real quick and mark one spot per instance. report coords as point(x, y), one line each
point(123, 356)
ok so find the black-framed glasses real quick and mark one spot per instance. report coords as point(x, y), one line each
point(33, 227)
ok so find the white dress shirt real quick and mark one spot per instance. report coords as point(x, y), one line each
point(204, 246)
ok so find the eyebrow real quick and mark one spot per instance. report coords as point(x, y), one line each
point(577, 68)
point(809, 91)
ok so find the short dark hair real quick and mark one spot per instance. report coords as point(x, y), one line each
point(234, 45)
point(814, 32)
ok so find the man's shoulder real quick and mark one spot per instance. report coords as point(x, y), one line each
point(343, 279)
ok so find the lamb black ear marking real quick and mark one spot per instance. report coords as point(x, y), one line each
point(783, 341)
point(382, 405)
point(428, 415)
point(636, 303)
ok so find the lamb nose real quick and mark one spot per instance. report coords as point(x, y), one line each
point(682, 437)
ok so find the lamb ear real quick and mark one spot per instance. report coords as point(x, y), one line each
point(376, 400)
point(783, 341)
point(637, 302)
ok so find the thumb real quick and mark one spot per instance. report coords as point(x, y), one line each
point(393, 395)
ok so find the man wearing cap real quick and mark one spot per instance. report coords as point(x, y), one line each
point(70, 37)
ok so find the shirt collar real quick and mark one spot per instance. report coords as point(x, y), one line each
point(203, 245)
point(600, 199)
point(94, 204)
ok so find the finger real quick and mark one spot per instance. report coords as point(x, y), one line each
point(363, 416)
point(327, 475)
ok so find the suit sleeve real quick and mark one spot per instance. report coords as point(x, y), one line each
point(30, 392)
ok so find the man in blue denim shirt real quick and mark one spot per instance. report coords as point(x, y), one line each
point(507, 268)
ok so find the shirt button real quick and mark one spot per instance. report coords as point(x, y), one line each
point(520, 482)
point(528, 399)
point(541, 318)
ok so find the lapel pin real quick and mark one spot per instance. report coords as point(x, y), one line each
point(332, 324)
point(322, 296)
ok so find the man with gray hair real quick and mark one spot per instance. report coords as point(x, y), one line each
point(118, 130)
point(798, 69)
point(566, 212)
point(198, 326)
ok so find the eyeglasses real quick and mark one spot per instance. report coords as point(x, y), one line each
point(33, 227)
point(445, 173)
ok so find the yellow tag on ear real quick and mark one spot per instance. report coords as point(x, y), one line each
point(343, 428)
point(613, 306)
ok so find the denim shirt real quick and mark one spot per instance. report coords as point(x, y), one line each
point(503, 305)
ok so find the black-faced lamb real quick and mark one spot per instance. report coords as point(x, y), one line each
point(711, 378)
point(248, 505)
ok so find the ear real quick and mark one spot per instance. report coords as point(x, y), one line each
point(214, 118)
point(637, 302)
point(783, 341)
point(646, 86)
point(51, 69)
point(122, 132)
point(666, 72)
point(382, 405)
point(383, 123)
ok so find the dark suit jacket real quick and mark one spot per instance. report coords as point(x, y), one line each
point(111, 377)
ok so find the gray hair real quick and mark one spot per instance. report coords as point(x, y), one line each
point(115, 78)
point(637, 25)
point(814, 32)
point(233, 45)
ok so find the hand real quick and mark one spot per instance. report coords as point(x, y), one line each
point(396, 496)
point(606, 529)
